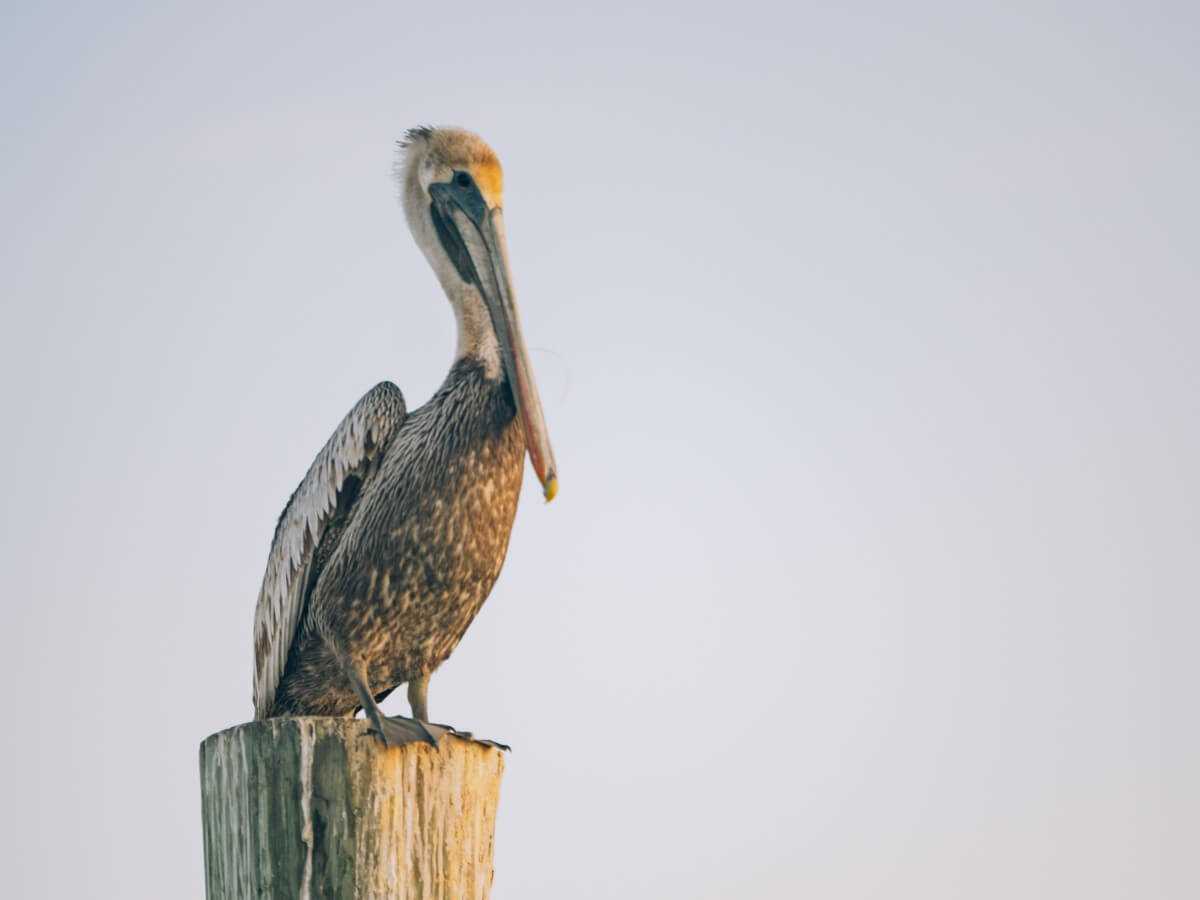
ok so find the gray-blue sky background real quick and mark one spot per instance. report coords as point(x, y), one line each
point(867, 338)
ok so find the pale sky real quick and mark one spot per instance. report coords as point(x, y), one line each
point(868, 343)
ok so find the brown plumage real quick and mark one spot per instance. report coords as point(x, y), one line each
point(420, 554)
point(393, 540)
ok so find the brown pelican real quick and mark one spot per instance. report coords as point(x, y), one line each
point(393, 540)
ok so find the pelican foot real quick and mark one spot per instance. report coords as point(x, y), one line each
point(396, 731)
point(467, 736)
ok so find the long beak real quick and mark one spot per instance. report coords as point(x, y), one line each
point(481, 231)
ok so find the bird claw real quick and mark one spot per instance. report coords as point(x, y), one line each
point(487, 743)
point(467, 736)
point(396, 731)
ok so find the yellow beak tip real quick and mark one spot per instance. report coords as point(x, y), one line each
point(550, 488)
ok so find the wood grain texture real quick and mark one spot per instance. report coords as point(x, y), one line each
point(308, 808)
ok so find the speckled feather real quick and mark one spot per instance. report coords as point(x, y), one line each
point(313, 516)
point(409, 552)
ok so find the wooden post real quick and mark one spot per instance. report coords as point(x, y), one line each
point(309, 809)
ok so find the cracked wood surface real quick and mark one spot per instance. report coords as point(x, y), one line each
point(317, 809)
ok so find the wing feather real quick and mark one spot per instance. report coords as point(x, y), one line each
point(358, 440)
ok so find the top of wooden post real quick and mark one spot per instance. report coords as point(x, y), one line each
point(319, 808)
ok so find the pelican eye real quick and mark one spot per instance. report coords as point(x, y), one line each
point(462, 179)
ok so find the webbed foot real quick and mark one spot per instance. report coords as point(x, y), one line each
point(467, 736)
point(396, 731)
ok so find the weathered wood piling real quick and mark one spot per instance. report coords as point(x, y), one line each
point(316, 809)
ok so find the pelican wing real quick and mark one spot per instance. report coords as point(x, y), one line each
point(347, 457)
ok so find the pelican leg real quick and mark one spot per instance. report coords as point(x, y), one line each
point(418, 691)
point(394, 731)
point(418, 699)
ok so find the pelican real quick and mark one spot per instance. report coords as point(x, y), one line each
point(388, 548)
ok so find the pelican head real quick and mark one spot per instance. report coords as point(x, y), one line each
point(452, 189)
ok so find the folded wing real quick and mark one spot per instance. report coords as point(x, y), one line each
point(334, 481)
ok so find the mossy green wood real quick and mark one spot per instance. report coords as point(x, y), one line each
point(317, 808)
